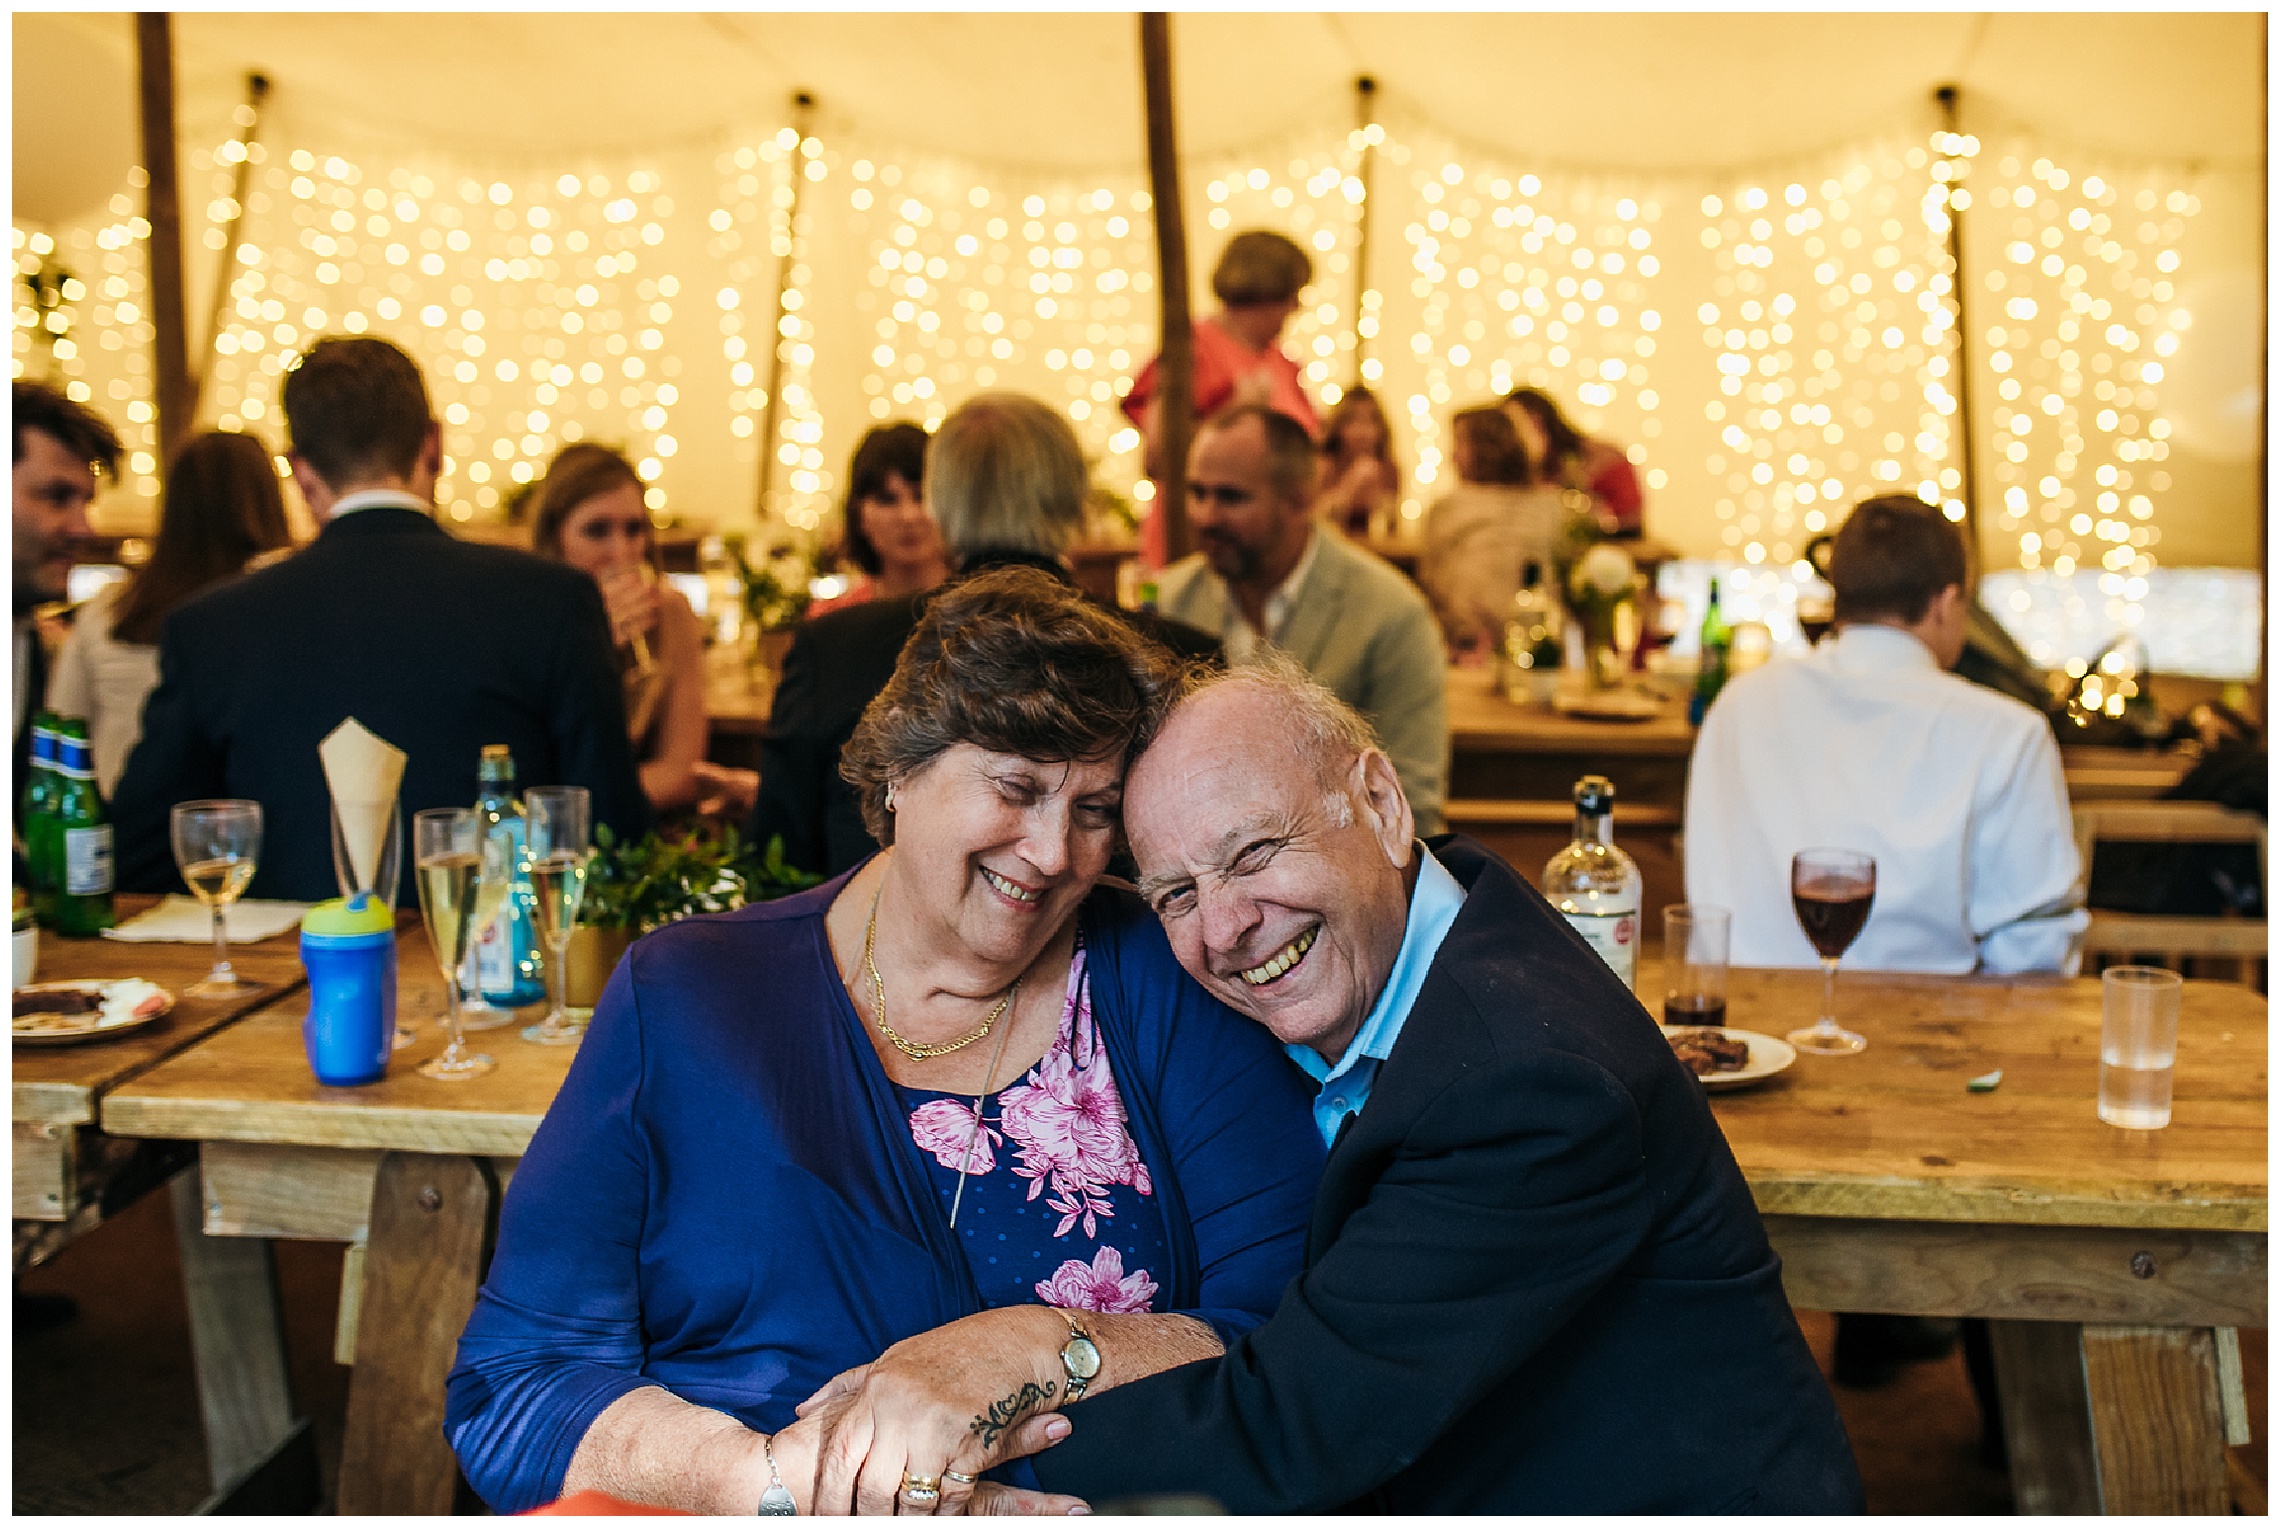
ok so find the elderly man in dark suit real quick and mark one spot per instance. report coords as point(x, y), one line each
point(437, 645)
point(1535, 1281)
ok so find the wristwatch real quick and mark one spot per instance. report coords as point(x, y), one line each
point(1080, 1359)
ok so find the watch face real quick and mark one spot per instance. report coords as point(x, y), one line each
point(1081, 1358)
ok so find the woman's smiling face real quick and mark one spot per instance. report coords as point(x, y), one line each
point(1001, 848)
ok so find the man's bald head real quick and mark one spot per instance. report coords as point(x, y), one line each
point(1274, 842)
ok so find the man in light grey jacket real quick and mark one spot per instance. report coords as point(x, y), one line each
point(1265, 574)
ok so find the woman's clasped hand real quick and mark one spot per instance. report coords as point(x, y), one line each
point(939, 1406)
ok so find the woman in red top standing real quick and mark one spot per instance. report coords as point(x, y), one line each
point(1563, 454)
point(1238, 357)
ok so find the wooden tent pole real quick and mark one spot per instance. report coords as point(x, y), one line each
point(1365, 96)
point(256, 92)
point(1176, 368)
point(1950, 98)
point(803, 109)
point(176, 399)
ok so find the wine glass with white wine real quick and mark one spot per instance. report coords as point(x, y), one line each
point(217, 845)
point(559, 848)
point(458, 874)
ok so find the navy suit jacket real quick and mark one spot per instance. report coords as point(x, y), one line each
point(437, 645)
point(1535, 1281)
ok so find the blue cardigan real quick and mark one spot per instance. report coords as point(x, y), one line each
point(725, 1200)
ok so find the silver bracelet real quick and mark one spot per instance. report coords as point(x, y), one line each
point(776, 1501)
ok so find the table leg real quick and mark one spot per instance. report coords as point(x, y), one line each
point(2158, 1417)
point(2046, 1416)
point(2116, 1419)
point(431, 1227)
point(237, 1338)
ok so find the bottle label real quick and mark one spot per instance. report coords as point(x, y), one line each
point(75, 758)
point(495, 959)
point(87, 861)
point(1615, 936)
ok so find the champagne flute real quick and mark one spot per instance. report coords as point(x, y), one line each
point(1832, 890)
point(560, 818)
point(216, 846)
point(450, 853)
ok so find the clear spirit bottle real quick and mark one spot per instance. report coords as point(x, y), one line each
point(1595, 885)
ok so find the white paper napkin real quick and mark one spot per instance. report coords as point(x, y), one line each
point(185, 920)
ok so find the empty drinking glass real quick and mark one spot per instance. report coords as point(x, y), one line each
point(387, 877)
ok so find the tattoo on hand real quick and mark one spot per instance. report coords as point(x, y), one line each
point(991, 1424)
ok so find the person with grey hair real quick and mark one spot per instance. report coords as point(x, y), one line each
point(1006, 481)
point(1535, 1279)
point(1237, 354)
point(1267, 574)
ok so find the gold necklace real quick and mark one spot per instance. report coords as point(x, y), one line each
point(879, 998)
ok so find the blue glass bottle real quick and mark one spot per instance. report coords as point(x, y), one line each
point(510, 969)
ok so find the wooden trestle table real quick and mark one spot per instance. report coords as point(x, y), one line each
point(69, 1176)
point(2115, 1265)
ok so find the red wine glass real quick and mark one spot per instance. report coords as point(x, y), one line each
point(1832, 890)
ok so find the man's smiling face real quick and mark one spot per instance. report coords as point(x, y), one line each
point(1284, 895)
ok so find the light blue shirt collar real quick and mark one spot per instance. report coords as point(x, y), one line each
point(1345, 1088)
point(375, 498)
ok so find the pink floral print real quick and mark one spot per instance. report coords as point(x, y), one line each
point(1067, 1123)
point(1071, 1139)
point(946, 1128)
point(1104, 1286)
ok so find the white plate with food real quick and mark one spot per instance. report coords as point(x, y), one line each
point(1729, 1058)
point(68, 1013)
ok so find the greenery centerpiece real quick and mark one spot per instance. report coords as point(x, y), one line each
point(639, 886)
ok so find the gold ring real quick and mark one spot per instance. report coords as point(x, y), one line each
point(964, 1480)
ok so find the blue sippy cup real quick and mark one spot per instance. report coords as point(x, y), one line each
point(348, 946)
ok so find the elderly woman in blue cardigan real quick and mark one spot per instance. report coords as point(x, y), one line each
point(962, 1078)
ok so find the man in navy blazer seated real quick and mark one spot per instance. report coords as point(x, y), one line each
point(436, 644)
point(1534, 1280)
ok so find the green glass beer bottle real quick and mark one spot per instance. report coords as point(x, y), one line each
point(42, 846)
point(83, 889)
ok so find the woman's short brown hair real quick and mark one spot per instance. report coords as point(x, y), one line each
point(1012, 661)
point(1260, 266)
point(578, 473)
point(1891, 559)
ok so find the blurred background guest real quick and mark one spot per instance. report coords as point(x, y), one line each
point(221, 511)
point(588, 511)
point(891, 535)
point(1238, 352)
point(1562, 454)
point(440, 646)
point(1006, 481)
point(1265, 574)
point(1483, 538)
point(1361, 485)
point(60, 448)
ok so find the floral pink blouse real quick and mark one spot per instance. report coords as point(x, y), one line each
point(1072, 1219)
